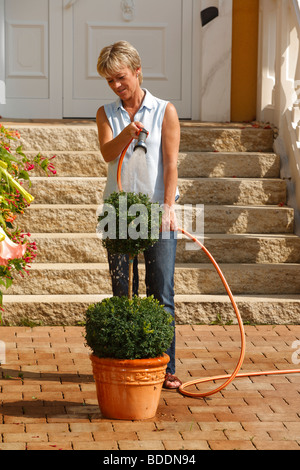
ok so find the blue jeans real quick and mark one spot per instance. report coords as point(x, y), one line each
point(160, 267)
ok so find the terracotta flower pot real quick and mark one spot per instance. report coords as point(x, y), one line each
point(129, 389)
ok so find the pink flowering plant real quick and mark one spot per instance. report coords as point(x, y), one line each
point(17, 252)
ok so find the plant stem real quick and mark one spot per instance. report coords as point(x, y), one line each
point(130, 277)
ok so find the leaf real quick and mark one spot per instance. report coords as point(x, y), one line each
point(20, 152)
point(24, 175)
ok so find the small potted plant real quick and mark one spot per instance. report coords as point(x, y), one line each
point(128, 336)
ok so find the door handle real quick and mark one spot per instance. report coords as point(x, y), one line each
point(71, 2)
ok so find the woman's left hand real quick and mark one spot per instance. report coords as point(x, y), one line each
point(169, 221)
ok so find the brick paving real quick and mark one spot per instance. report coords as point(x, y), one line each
point(48, 399)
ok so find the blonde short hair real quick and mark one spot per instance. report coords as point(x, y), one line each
point(114, 57)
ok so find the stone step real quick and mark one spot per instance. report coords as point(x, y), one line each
point(231, 249)
point(60, 218)
point(240, 138)
point(239, 191)
point(228, 165)
point(80, 136)
point(94, 278)
point(190, 309)
point(75, 163)
point(190, 164)
point(58, 137)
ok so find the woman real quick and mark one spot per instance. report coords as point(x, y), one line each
point(118, 123)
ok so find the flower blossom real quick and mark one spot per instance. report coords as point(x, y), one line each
point(9, 250)
point(14, 183)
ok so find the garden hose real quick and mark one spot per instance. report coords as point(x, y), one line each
point(227, 377)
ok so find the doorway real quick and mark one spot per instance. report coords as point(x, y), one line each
point(244, 60)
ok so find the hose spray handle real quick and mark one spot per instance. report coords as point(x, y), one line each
point(141, 143)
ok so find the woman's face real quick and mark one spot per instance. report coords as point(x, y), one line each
point(124, 83)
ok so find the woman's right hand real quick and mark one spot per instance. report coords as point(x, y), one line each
point(112, 147)
point(133, 129)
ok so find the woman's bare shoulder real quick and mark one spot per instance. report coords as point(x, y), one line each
point(101, 115)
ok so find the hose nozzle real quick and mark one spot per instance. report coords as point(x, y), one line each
point(141, 143)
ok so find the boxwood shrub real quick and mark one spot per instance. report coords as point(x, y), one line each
point(120, 328)
point(149, 218)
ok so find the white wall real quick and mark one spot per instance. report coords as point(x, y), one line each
point(279, 86)
point(212, 56)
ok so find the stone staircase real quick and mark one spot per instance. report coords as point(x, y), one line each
point(230, 168)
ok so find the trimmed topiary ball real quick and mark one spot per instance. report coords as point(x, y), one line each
point(129, 223)
point(119, 328)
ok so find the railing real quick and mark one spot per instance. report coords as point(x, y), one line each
point(279, 87)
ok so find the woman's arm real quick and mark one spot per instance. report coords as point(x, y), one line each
point(170, 149)
point(111, 148)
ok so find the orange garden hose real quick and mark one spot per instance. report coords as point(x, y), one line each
point(227, 377)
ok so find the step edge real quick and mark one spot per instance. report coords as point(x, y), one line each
point(182, 266)
point(193, 298)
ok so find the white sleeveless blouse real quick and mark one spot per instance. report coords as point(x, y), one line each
point(151, 115)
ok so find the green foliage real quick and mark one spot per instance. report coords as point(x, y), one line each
point(15, 169)
point(145, 222)
point(120, 328)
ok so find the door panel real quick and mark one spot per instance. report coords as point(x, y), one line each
point(160, 30)
point(31, 58)
point(27, 51)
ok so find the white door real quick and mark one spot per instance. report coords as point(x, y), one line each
point(31, 58)
point(161, 30)
point(49, 51)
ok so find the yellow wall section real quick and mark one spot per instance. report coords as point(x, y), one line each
point(244, 60)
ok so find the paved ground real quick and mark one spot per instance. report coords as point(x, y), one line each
point(48, 400)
